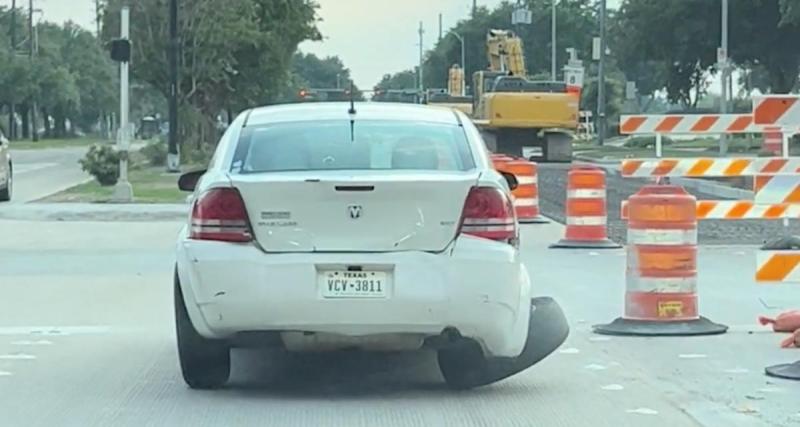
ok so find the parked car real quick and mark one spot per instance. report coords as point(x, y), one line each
point(6, 170)
point(381, 227)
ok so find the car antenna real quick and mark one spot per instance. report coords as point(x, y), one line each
point(352, 113)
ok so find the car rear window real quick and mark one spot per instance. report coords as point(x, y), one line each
point(375, 145)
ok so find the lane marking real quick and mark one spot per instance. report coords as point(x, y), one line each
point(642, 411)
point(613, 387)
point(5, 374)
point(25, 342)
point(18, 356)
point(569, 351)
point(737, 371)
point(692, 356)
point(595, 367)
point(53, 330)
point(599, 339)
point(31, 167)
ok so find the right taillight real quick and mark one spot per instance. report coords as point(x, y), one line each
point(219, 214)
point(489, 213)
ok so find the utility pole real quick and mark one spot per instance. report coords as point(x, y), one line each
point(474, 7)
point(601, 78)
point(123, 191)
point(32, 52)
point(440, 27)
point(173, 156)
point(463, 61)
point(97, 16)
point(722, 57)
point(554, 43)
point(421, 59)
point(12, 114)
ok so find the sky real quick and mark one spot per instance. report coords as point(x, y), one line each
point(372, 37)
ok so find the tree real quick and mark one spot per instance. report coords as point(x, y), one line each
point(675, 39)
point(234, 53)
point(403, 80)
point(765, 37)
point(308, 71)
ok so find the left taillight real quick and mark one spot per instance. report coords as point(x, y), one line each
point(219, 214)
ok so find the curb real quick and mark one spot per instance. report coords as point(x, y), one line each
point(95, 212)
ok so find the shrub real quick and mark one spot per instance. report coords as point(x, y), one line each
point(155, 152)
point(194, 155)
point(102, 162)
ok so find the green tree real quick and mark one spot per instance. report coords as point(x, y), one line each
point(403, 80)
point(234, 53)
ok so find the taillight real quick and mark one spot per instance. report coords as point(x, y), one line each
point(219, 214)
point(489, 213)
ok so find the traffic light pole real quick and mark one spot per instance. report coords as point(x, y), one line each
point(123, 191)
point(173, 156)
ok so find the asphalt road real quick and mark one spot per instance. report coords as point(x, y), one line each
point(86, 338)
point(39, 173)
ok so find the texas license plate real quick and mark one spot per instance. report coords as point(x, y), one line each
point(353, 284)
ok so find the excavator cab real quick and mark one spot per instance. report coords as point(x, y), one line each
point(518, 116)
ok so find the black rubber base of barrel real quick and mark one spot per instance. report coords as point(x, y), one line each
point(626, 327)
point(788, 371)
point(585, 244)
point(538, 220)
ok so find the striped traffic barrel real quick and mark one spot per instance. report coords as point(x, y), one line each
point(661, 274)
point(585, 210)
point(526, 195)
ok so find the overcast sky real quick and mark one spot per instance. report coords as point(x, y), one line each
point(372, 37)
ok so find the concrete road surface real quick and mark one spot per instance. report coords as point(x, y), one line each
point(39, 173)
point(86, 339)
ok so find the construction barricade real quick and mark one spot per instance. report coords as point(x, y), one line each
point(661, 275)
point(778, 261)
point(585, 210)
point(526, 195)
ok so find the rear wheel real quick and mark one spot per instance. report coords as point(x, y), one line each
point(5, 193)
point(205, 363)
point(463, 365)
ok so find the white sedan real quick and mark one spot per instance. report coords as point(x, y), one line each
point(381, 227)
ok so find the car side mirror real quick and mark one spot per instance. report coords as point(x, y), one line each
point(511, 180)
point(188, 181)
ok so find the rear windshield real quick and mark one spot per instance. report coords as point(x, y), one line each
point(375, 145)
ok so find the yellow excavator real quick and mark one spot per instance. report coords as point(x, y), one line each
point(518, 116)
point(455, 96)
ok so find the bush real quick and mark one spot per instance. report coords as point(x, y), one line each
point(194, 155)
point(155, 152)
point(647, 142)
point(102, 162)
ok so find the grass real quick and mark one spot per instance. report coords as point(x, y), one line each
point(150, 185)
point(55, 143)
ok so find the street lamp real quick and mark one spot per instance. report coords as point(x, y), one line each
point(553, 41)
point(463, 61)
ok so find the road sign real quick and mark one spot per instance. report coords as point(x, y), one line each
point(522, 16)
point(596, 48)
point(573, 76)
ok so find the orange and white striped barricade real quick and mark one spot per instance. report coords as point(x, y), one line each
point(526, 195)
point(661, 275)
point(586, 210)
point(779, 262)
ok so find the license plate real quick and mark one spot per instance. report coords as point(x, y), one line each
point(353, 284)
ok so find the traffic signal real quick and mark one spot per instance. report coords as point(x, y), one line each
point(121, 50)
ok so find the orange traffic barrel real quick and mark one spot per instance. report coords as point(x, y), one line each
point(586, 210)
point(526, 195)
point(661, 276)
